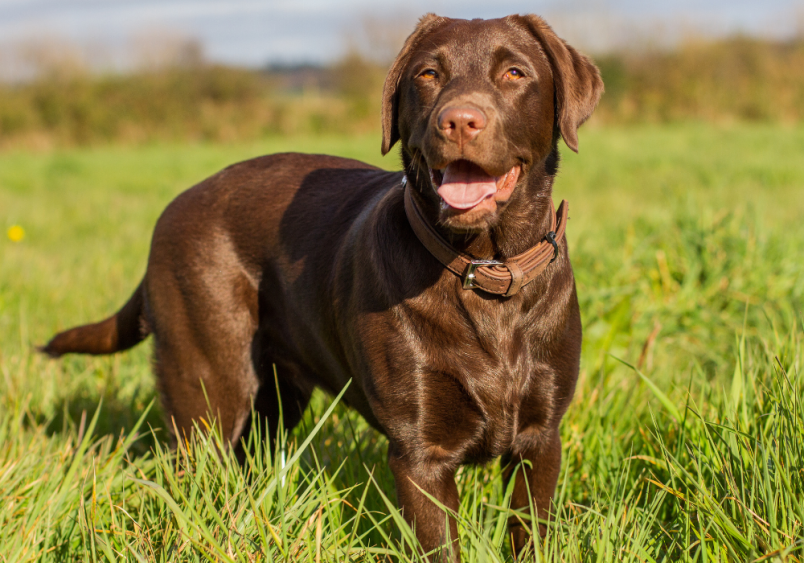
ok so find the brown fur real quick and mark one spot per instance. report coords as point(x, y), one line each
point(308, 262)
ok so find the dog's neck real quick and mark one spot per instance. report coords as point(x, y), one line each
point(523, 223)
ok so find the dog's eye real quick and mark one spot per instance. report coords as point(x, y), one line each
point(514, 74)
point(429, 74)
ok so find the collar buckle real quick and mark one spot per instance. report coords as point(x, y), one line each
point(469, 276)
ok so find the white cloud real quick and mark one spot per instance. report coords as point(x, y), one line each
point(255, 31)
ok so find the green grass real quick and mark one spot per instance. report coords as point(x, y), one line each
point(684, 441)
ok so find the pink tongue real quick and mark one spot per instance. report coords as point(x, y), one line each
point(465, 185)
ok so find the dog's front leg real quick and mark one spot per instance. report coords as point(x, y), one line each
point(413, 475)
point(536, 478)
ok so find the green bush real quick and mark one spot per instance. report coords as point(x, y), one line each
point(736, 79)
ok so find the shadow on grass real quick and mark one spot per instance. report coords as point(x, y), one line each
point(346, 447)
point(116, 418)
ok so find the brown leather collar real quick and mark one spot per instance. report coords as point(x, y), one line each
point(500, 278)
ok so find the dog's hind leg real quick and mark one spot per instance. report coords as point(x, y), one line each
point(203, 327)
point(283, 394)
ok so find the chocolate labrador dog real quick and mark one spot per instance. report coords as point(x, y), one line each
point(444, 292)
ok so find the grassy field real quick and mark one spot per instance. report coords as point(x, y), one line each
point(685, 441)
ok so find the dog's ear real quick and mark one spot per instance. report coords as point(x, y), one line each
point(576, 79)
point(390, 93)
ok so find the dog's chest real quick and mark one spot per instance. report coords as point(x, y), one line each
point(499, 381)
point(477, 379)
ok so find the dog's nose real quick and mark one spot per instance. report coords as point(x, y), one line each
point(461, 124)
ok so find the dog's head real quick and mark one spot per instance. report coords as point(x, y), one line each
point(479, 104)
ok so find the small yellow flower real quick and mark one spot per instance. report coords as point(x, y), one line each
point(15, 233)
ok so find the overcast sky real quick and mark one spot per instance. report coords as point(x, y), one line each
point(251, 32)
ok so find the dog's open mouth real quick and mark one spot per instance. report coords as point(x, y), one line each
point(463, 185)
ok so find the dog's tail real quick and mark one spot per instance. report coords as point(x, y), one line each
point(121, 331)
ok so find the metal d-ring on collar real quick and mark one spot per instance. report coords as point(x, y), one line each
point(551, 238)
point(499, 278)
